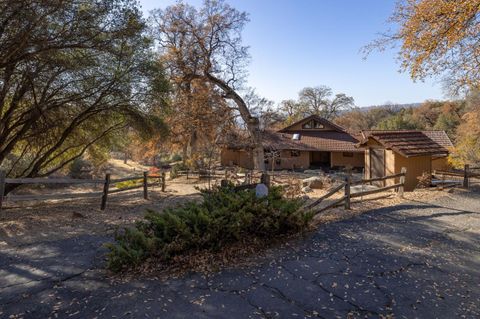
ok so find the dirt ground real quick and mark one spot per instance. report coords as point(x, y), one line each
point(416, 257)
point(27, 222)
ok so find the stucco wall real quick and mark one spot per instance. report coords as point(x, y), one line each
point(238, 158)
point(287, 161)
point(337, 159)
point(243, 159)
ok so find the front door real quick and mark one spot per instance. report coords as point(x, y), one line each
point(320, 159)
point(377, 165)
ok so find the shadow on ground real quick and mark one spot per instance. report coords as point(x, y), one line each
point(413, 260)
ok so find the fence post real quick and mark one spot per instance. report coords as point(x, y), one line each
point(402, 182)
point(187, 172)
point(265, 179)
point(347, 192)
point(105, 191)
point(2, 187)
point(145, 185)
point(465, 176)
point(163, 181)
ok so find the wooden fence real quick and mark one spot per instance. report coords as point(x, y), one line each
point(200, 173)
point(348, 195)
point(109, 187)
point(465, 176)
point(344, 186)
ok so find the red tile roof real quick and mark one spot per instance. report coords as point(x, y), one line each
point(332, 141)
point(410, 143)
point(317, 118)
point(308, 141)
point(439, 137)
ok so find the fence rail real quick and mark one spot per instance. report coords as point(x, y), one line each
point(52, 181)
point(109, 187)
point(466, 174)
point(199, 173)
point(348, 195)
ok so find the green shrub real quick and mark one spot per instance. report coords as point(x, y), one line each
point(127, 184)
point(176, 168)
point(176, 158)
point(224, 216)
point(80, 168)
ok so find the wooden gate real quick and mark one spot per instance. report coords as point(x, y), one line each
point(377, 165)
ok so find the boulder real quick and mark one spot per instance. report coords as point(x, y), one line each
point(313, 171)
point(261, 190)
point(306, 189)
point(313, 182)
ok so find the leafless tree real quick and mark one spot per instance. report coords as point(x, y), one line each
point(318, 100)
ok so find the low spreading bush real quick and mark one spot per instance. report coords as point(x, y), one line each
point(223, 217)
point(128, 184)
point(176, 168)
point(176, 158)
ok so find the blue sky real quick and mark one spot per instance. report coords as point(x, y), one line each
point(299, 43)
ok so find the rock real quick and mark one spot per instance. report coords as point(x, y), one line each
point(313, 171)
point(313, 182)
point(261, 190)
point(306, 189)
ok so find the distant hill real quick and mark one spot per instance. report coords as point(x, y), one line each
point(395, 107)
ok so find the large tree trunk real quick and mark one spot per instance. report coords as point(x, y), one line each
point(253, 124)
point(192, 144)
point(184, 153)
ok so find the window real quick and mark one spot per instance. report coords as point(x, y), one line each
point(317, 124)
point(278, 161)
point(294, 153)
point(313, 124)
point(347, 154)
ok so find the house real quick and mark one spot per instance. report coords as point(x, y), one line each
point(315, 142)
point(312, 142)
point(386, 152)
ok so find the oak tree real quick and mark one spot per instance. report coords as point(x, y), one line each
point(436, 38)
point(72, 73)
point(205, 44)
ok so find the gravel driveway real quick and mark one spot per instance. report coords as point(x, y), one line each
point(413, 260)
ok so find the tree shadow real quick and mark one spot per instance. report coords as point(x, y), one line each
point(410, 260)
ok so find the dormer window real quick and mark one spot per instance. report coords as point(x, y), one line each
point(312, 124)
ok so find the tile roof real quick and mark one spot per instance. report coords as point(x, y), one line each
point(317, 118)
point(410, 143)
point(313, 141)
point(439, 137)
point(309, 141)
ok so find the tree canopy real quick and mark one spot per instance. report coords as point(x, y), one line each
point(206, 44)
point(72, 73)
point(437, 38)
